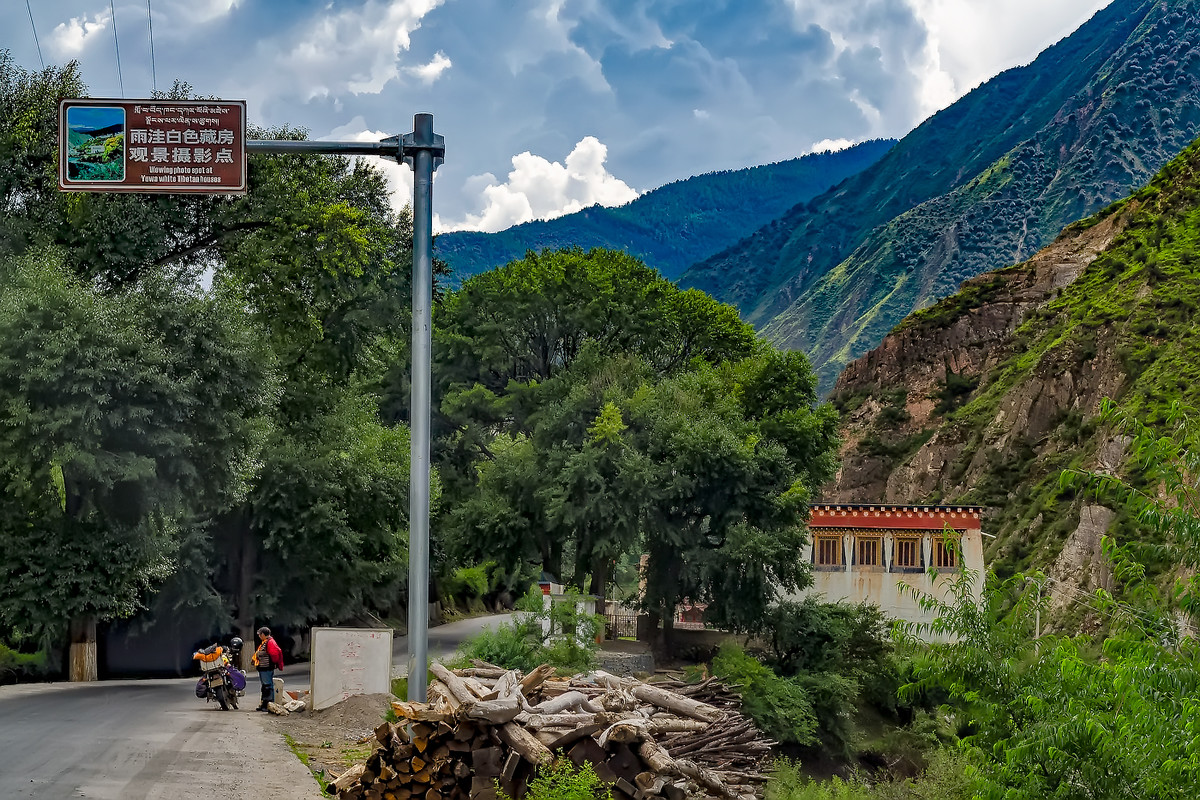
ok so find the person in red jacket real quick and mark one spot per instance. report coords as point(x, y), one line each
point(267, 658)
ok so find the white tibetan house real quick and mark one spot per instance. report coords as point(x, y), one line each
point(872, 552)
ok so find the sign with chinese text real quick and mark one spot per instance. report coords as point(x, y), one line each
point(161, 146)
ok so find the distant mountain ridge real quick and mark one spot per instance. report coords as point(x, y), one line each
point(673, 226)
point(104, 131)
point(983, 183)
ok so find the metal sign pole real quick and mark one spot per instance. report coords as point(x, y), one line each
point(423, 150)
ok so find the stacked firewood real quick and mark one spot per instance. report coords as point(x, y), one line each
point(487, 730)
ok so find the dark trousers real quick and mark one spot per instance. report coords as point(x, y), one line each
point(267, 677)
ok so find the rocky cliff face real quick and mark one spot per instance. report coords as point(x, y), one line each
point(901, 446)
point(990, 395)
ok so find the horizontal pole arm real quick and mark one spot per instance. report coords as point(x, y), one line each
point(385, 148)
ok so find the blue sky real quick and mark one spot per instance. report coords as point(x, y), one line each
point(94, 117)
point(549, 106)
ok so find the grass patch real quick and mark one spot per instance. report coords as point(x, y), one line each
point(299, 752)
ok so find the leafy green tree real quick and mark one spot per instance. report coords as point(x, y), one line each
point(598, 494)
point(1049, 719)
point(321, 264)
point(127, 417)
point(29, 151)
point(330, 511)
point(574, 482)
point(738, 450)
point(538, 362)
point(530, 319)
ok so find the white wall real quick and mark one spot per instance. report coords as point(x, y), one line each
point(886, 589)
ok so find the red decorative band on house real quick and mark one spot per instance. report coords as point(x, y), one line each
point(918, 518)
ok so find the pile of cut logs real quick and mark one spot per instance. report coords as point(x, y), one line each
point(486, 731)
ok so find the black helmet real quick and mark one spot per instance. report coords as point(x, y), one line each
point(236, 643)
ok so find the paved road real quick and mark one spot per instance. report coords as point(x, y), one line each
point(139, 740)
point(154, 740)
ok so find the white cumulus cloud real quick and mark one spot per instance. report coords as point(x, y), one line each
point(69, 38)
point(970, 41)
point(830, 145)
point(539, 189)
point(355, 50)
point(431, 71)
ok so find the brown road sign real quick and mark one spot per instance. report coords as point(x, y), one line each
point(161, 146)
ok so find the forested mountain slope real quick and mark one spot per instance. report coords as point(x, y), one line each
point(675, 225)
point(988, 395)
point(984, 183)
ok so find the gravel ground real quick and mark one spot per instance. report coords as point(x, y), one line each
point(332, 738)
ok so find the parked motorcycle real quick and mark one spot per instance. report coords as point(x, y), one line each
point(220, 680)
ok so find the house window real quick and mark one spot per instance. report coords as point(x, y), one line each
point(867, 551)
point(907, 553)
point(827, 551)
point(945, 552)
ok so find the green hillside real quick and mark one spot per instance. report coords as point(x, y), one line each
point(675, 225)
point(1007, 424)
point(984, 183)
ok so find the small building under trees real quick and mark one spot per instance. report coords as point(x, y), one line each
point(881, 553)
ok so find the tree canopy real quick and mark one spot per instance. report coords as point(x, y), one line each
point(199, 377)
point(599, 410)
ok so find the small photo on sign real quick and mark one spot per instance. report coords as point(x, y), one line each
point(96, 143)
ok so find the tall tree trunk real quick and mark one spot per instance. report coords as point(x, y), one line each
point(552, 558)
point(668, 634)
point(581, 569)
point(599, 588)
point(81, 662)
point(662, 641)
point(599, 583)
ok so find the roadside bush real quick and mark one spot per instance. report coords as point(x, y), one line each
point(946, 778)
point(569, 647)
point(562, 780)
point(779, 706)
point(810, 635)
point(16, 666)
point(465, 587)
point(514, 645)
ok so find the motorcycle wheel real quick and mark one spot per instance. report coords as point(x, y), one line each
point(221, 698)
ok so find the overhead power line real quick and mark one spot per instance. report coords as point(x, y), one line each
point(117, 46)
point(150, 24)
point(35, 36)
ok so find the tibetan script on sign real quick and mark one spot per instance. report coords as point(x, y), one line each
point(162, 146)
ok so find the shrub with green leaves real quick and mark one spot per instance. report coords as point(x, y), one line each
point(15, 665)
point(562, 780)
point(1050, 719)
point(779, 706)
point(523, 644)
point(947, 777)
